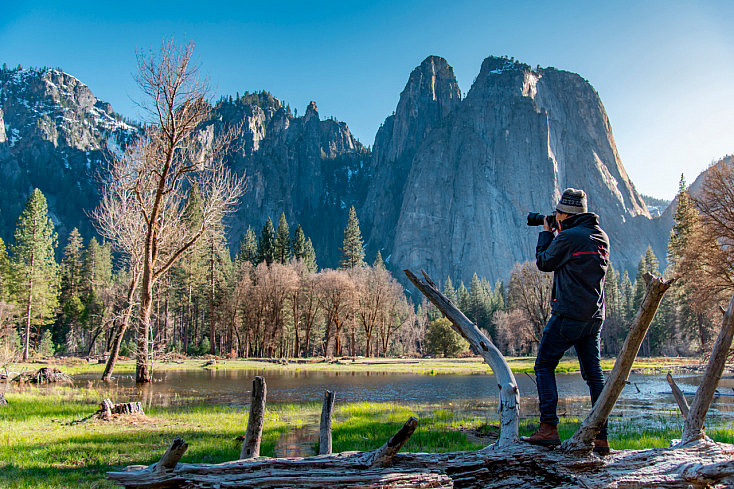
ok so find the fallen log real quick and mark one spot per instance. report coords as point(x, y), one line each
point(519, 466)
point(43, 375)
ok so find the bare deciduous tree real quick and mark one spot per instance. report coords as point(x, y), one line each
point(173, 155)
point(530, 292)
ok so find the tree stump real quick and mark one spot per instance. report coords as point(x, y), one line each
point(251, 445)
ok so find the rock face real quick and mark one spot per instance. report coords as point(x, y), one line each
point(54, 135)
point(446, 187)
point(311, 169)
point(428, 98)
point(509, 147)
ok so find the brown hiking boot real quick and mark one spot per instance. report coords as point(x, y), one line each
point(601, 447)
point(546, 436)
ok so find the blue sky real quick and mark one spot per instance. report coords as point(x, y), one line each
point(664, 69)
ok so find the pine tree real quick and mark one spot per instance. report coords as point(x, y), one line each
point(353, 246)
point(282, 241)
point(684, 221)
point(378, 261)
point(266, 245)
point(463, 296)
point(309, 257)
point(449, 291)
point(71, 266)
point(298, 245)
point(35, 274)
point(248, 247)
point(4, 273)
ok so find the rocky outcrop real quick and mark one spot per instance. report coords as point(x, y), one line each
point(428, 98)
point(511, 146)
point(55, 136)
point(309, 168)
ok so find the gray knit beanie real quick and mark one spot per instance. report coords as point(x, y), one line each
point(573, 201)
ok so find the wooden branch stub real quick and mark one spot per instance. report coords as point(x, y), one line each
point(382, 457)
point(325, 425)
point(581, 441)
point(251, 445)
point(508, 392)
point(171, 457)
point(3, 401)
point(693, 426)
point(680, 399)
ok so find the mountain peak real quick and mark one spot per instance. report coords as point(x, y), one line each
point(312, 111)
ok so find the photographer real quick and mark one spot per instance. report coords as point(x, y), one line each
point(578, 256)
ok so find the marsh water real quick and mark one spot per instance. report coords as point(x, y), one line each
point(643, 399)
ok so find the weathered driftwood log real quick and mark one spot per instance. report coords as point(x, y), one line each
point(44, 375)
point(584, 436)
point(383, 456)
point(325, 425)
point(521, 466)
point(253, 435)
point(171, 457)
point(693, 426)
point(680, 399)
point(509, 393)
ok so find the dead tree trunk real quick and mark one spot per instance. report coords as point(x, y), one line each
point(251, 445)
point(325, 425)
point(680, 399)
point(693, 427)
point(584, 436)
point(509, 393)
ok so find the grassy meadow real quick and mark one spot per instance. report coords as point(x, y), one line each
point(418, 366)
point(44, 444)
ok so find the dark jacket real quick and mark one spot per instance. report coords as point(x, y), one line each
point(579, 257)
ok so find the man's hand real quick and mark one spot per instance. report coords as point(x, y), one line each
point(546, 226)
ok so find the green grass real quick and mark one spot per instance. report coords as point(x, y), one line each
point(41, 447)
point(422, 366)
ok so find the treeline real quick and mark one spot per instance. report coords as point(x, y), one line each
point(271, 300)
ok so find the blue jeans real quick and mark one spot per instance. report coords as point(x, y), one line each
point(560, 334)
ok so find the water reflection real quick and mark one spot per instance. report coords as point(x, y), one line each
point(232, 387)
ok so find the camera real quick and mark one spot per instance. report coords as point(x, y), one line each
point(536, 219)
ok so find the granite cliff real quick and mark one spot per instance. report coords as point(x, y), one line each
point(446, 186)
point(54, 135)
point(518, 138)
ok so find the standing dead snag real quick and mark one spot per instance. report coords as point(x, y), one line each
point(251, 445)
point(509, 393)
point(693, 427)
point(584, 436)
point(325, 425)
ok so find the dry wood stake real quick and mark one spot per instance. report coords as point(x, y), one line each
point(171, 457)
point(251, 446)
point(382, 457)
point(678, 395)
point(325, 426)
point(584, 436)
point(509, 393)
point(693, 427)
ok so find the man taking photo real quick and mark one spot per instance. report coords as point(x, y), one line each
point(578, 256)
